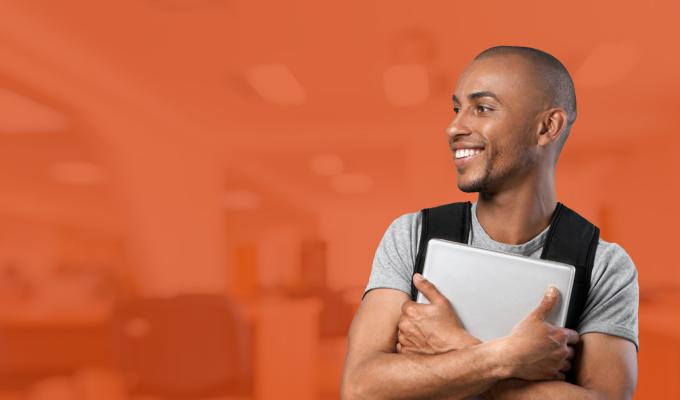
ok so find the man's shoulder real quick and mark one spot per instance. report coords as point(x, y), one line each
point(611, 251)
point(395, 256)
point(406, 220)
point(611, 255)
point(405, 228)
point(614, 294)
point(612, 261)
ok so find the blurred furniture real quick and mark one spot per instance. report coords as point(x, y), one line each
point(35, 344)
point(287, 341)
point(188, 346)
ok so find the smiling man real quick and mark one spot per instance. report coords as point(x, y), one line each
point(514, 108)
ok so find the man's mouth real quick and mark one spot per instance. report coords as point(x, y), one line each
point(466, 154)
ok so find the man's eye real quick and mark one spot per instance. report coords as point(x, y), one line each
point(482, 108)
point(456, 109)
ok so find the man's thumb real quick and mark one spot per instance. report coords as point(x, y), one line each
point(427, 289)
point(547, 303)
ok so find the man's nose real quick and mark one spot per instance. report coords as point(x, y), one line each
point(457, 127)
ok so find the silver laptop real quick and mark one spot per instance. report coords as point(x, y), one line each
point(492, 291)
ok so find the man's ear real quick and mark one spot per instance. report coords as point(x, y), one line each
point(552, 126)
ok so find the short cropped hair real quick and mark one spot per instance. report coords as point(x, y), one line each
point(556, 78)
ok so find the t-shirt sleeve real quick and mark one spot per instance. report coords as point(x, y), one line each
point(613, 298)
point(395, 256)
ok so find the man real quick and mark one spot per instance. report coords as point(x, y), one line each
point(514, 107)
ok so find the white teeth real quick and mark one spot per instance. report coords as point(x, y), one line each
point(463, 153)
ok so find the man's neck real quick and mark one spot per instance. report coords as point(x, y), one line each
point(517, 215)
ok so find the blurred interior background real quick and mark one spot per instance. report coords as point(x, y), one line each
point(191, 191)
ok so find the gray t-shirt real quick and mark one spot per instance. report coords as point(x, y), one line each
point(612, 303)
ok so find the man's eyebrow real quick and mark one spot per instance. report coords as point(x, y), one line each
point(477, 95)
point(484, 93)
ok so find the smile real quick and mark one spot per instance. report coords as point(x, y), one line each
point(467, 153)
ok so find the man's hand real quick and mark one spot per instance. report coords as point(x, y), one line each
point(431, 328)
point(537, 350)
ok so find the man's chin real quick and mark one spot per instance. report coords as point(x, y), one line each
point(470, 186)
point(467, 188)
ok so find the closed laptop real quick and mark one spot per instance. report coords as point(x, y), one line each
point(492, 291)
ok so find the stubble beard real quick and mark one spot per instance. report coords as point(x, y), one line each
point(480, 184)
point(494, 176)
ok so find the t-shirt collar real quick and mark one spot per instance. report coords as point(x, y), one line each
point(479, 238)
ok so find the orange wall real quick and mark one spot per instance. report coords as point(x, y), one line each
point(260, 149)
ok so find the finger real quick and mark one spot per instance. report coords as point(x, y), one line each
point(405, 341)
point(406, 306)
point(566, 366)
point(406, 326)
point(428, 289)
point(402, 324)
point(570, 353)
point(404, 348)
point(547, 303)
point(572, 336)
point(414, 310)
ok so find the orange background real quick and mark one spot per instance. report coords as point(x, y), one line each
point(258, 151)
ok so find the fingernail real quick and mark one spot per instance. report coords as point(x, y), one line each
point(418, 277)
point(551, 291)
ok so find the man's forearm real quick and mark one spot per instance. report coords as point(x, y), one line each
point(452, 375)
point(517, 389)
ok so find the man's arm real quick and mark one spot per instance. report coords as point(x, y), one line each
point(606, 365)
point(606, 368)
point(374, 370)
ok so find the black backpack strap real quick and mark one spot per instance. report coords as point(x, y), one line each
point(450, 222)
point(573, 240)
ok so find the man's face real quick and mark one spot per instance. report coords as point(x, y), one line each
point(492, 136)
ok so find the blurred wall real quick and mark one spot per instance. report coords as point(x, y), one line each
point(258, 150)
